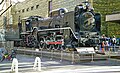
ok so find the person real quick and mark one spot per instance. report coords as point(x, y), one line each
point(107, 46)
point(103, 36)
point(13, 54)
point(103, 46)
point(2, 56)
point(114, 43)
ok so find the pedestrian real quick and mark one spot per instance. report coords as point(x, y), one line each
point(107, 46)
point(114, 43)
point(13, 53)
point(104, 37)
point(103, 47)
point(2, 56)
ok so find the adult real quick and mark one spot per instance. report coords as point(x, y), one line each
point(114, 43)
point(103, 46)
point(2, 56)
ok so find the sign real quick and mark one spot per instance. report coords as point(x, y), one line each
point(85, 50)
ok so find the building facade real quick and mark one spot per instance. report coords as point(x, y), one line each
point(28, 8)
point(40, 8)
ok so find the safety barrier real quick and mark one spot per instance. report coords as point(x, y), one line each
point(72, 56)
point(14, 66)
point(37, 64)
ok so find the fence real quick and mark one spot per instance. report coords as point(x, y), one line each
point(72, 56)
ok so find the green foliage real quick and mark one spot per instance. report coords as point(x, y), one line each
point(106, 7)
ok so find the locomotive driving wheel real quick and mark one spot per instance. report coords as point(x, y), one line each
point(56, 46)
point(48, 46)
point(32, 41)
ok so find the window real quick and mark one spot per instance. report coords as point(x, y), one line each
point(23, 10)
point(37, 6)
point(19, 11)
point(27, 9)
point(32, 7)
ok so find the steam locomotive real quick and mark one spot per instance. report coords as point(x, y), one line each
point(63, 29)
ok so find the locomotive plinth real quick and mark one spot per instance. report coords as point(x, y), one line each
point(72, 56)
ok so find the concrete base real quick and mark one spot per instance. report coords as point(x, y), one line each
point(73, 57)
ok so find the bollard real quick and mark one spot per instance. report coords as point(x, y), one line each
point(52, 52)
point(92, 57)
point(32, 52)
point(61, 56)
point(109, 53)
point(37, 62)
point(14, 66)
point(41, 52)
point(24, 51)
point(72, 57)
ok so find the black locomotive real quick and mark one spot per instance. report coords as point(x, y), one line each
point(63, 29)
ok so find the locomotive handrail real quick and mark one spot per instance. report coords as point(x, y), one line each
point(65, 28)
point(54, 29)
point(73, 33)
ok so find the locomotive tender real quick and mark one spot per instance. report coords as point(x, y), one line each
point(63, 29)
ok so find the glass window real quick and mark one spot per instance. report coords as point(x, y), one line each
point(27, 9)
point(37, 6)
point(19, 11)
point(23, 10)
point(32, 7)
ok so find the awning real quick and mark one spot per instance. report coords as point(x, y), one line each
point(113, 18)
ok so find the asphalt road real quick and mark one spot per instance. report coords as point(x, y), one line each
point(25, 65)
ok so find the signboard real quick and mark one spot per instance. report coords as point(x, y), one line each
point(85, 50)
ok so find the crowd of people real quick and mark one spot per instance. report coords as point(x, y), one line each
point(108, 44)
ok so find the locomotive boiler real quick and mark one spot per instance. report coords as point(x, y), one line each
point(63, 29)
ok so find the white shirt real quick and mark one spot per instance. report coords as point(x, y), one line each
point(114, 40)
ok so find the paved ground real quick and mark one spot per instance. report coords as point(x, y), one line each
point(55, 66)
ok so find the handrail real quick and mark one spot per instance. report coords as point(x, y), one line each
point(65, 28)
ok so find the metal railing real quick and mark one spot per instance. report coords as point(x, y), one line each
point(72, 56)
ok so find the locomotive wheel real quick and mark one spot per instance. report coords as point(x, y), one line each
point(62, 48)
point(48, 46)
point(56, 46)
point(32, 42)
point(59, 47)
